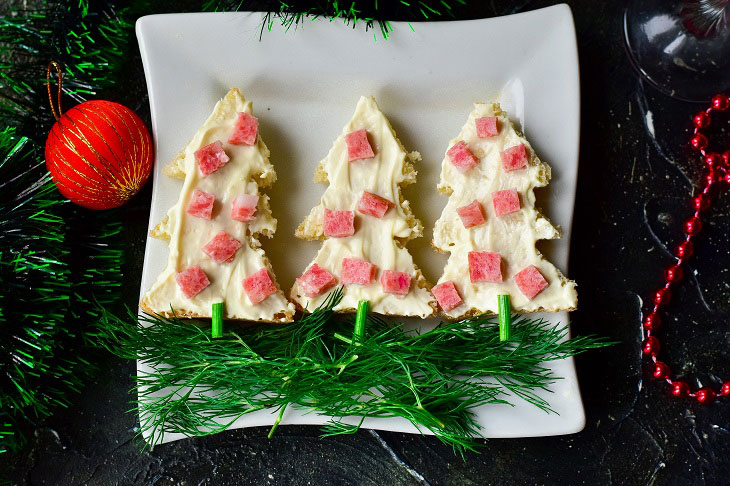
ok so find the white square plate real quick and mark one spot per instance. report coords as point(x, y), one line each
point(304, 84)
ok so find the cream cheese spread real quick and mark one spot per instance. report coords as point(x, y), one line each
point(377, 240)
point(513, 235)
point(188, 234)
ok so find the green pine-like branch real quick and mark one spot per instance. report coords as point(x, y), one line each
point(434, 379)
point(292, 13)
point(56, 261)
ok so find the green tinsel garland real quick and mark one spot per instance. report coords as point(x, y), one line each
point(291, 13)
point(56, 260)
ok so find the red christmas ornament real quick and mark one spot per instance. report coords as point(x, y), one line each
point(705, 396)
point(679, 389)
point(99, 153)
point(718, 170)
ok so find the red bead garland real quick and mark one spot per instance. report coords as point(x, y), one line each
point(705, 396)
point(720, 102)
point(698, 142)
point(652, 322)
point(718, 172)
point(679, 389)
point(661, 371)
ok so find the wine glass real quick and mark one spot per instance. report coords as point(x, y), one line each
point(681, 47)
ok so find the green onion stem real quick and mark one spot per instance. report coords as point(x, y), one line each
point(217, 325)
point(360, 318)
point(505, 317)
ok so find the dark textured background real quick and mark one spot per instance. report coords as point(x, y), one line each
point(634, 183)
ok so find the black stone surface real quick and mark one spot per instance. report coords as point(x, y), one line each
point(635, 180)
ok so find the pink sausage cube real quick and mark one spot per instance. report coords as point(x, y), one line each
point(397, 283)
point(514, 158)
point(245, 130)
point(487, 127)
point(201, 204)
point(222, 248)
point(472, 214)
point(356, 271)
point(506, 202)
point(358, 146)
point(447, 295)
point(316, 281)
point(485, 266)
point(461, 157)
point(211, 158)
point(192, 281)
point(339, 224)
point(373, 205)
point(244, 208)
point(258, 286)
point(530, 281)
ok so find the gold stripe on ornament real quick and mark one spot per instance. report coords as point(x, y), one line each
point(86, 188)
point(70, 145)
point(95, 168)
point(139, 173)
point(70, 166)
point(130, 168)
point(131, 180)
point(92, 127)
point(106, 164)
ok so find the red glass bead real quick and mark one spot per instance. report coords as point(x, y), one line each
point(679, 389)
point(685, 249)
point(705, 396)
point(710, 178)
point(701, 120)
point(720, 102)
point(700, 202)
point(726, 157)
point(713, 160)
point(674, 273)
point(661, 371)
point(662, 297)
point(650, 346)
point(652, 321)
point(693, 226)
point(725, 389)
point(698, 142)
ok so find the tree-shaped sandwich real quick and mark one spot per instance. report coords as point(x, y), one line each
point(365, 223)
point(213, 230)
point(490, 224)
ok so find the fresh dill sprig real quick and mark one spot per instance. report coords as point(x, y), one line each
point(434, 379)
